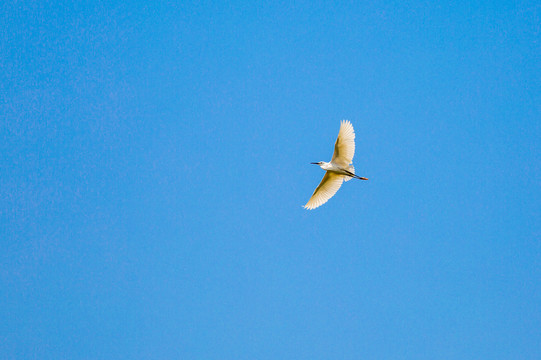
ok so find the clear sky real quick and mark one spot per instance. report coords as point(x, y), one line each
point(154, 160)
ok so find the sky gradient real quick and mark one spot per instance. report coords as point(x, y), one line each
point(154, 160)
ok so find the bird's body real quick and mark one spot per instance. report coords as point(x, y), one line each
point(339, 169)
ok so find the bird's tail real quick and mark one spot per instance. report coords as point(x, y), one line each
point(351, 170)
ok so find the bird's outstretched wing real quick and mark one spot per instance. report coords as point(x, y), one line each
point(326, 189)
point(344, 148)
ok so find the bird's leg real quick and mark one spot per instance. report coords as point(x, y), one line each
point(349, 173)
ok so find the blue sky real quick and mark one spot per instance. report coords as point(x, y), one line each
point(155, 158)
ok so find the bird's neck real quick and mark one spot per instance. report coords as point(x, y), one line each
point(325, 165)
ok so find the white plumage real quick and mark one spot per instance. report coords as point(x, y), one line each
point(339, 169)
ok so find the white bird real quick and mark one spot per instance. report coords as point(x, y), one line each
point(338, 170)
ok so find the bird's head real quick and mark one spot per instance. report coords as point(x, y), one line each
point(321, 164)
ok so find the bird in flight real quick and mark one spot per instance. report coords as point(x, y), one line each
point(338, 170)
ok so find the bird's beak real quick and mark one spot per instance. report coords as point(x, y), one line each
point(315, 163)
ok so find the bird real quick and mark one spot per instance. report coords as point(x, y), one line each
point(339, 169)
